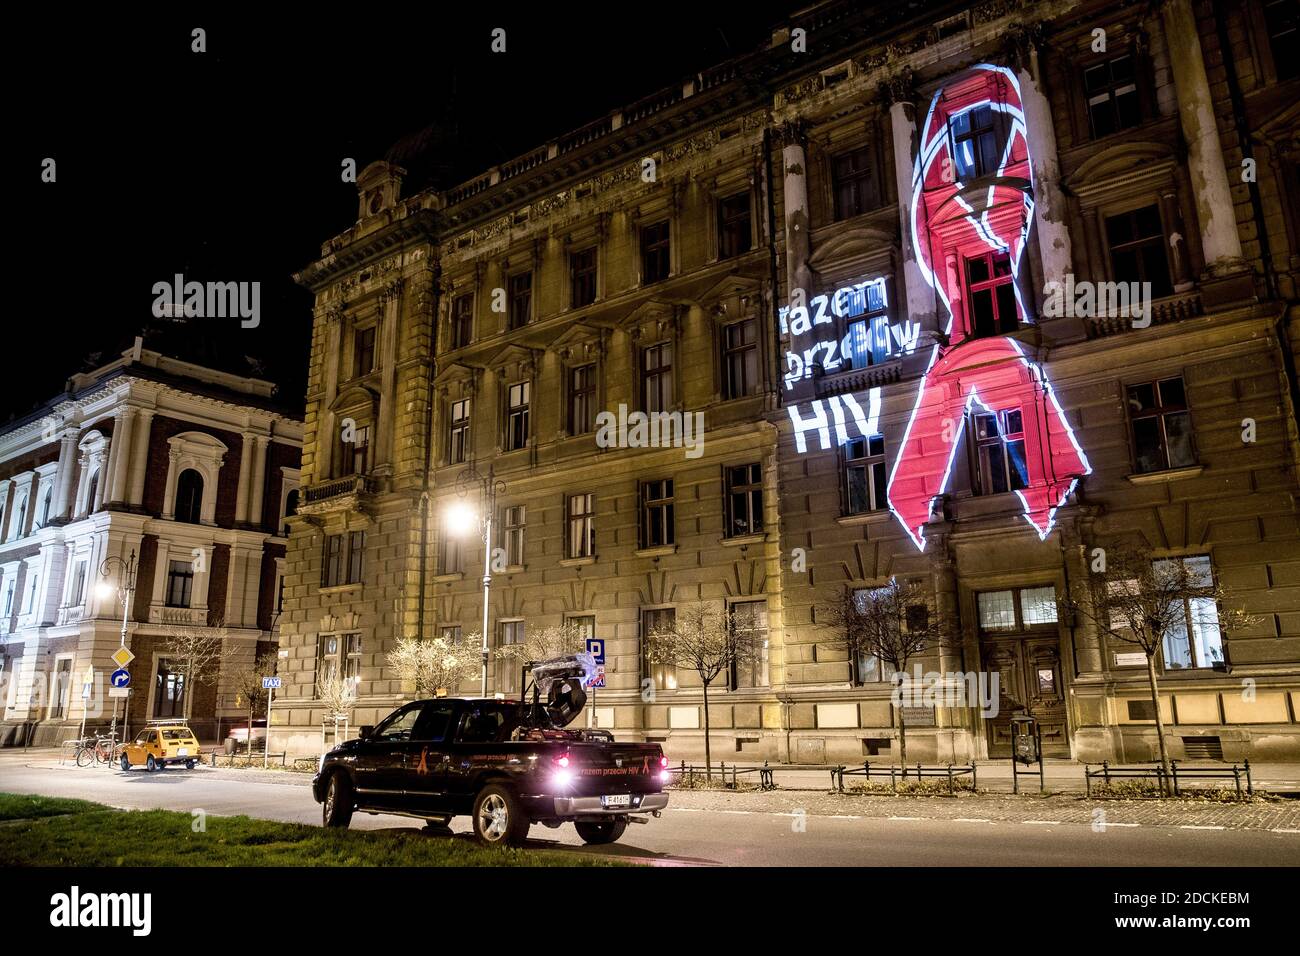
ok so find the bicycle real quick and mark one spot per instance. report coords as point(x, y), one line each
point(100, 751)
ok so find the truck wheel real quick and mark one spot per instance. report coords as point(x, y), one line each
point(189, 764)
point(150, 764)
point(603, 832)
point(337, 809)
point(499, 819)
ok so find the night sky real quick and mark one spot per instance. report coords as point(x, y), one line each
point(225, 165)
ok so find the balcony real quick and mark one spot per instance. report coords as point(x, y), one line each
point(858, 379)
point(70, 615)
point(1172, 308)
point(352, 493)
point(178, 616)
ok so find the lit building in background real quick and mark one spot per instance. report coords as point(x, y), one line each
point(851, 278)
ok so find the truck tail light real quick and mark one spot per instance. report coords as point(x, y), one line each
point(562, 761)
point(663, 762)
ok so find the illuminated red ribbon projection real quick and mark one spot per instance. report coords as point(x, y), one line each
point(972, 206)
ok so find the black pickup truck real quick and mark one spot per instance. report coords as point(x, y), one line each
point(505, 763)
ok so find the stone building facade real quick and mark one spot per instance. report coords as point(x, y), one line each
point(187, 471)
point(856, 254)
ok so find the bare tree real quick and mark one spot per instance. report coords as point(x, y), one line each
point(246, 677)
point(195, 651)
point(434, 665)
point(708, 640)
point(1134, 597)
point(895, 624)
point(544, 644)
point(338, 695)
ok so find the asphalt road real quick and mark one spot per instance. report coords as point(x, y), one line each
point(715, 837)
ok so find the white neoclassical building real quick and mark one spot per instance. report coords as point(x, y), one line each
point(185, 472)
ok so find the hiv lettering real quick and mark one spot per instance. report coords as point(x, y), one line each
point(971, 211)
point(870, 339)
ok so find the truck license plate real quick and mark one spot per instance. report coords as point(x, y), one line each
point(618, 800)
point(182, 752)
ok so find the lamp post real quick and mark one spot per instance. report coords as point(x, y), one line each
point(125, 592)
point(462, 518)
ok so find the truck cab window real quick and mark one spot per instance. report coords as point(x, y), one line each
point(400, 725)
point(434, 723)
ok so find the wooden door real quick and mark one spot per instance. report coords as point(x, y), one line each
point(1029, 680)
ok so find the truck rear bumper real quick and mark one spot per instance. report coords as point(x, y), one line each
point(595, 807)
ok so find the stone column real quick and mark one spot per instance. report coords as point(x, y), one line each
point(1049, 202)
point(140, 458)
point(242, 482)
point(121, 454)
point(1220, 240)
point(259, 481)
point(67, 471)
point(794, 163)
point(900, 96)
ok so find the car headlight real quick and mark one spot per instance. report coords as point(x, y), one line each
point(320, 764)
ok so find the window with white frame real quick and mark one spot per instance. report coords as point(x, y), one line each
point(512, 534)
point(458, 432)
point(1195, 640)
point(517, 401)
point(750, 667)
point(580, 537)
point(180, 583)
point(864, 475)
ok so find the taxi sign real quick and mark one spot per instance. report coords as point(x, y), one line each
point(122, 657)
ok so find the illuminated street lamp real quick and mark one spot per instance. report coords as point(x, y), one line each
point(461, 520)
point(125, 593)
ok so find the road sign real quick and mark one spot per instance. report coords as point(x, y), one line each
point(596, 648)
point(89, 678)
point(270, 682)
point(119, 692)
point(120, 678)
point(122, 657)
point(85, 691)
point(599, 679)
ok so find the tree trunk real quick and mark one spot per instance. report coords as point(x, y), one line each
point(708, 753)
point(1166, 784)
point(902, 739)
point(250, 727)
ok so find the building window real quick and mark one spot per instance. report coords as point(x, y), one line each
point(458, 432)
point(866, 666)
point(356, 556)
point(512, 632)
point(9, 598)
point(854, 184)
point(91, 488)
point(740, 359)
point(46, 503)
point(31, 594)
point(78, 594)
point(1112, 96)
point(582, 399)
point(290, 508)
point(584, 625)
point(462, 320)
point(1017, 609)
point(664, 674)
point(990, 295)
point(340, 654)
point(1162, 426)
point(355, 454)
point(521, 299)
point(582, 276)
point(180, 583)
point(512, 535)
point(517, 416)
point(657, 377)
point(344, 559)
point(189, 496)
point(62, 688)
point(864, 474)
point(18, 530)
point(975, 143)
point(735, 235)
point(363, 352)
point(1137, 249)
point(1000, 452)
point(654, 253)
point(1195, 639)
point(1282, 21)
point(749, 618)
point(657, 525)
point(169, 691)
point(451, 554)
point(451, 633)
point(744, 500)
point(580, 519)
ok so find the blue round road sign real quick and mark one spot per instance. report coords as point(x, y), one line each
point(120, 678)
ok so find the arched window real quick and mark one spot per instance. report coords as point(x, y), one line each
point(90, 492)
point(20, 519)
point(46, 504)
point(189, 496)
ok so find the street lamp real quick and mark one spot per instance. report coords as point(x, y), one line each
point(461, 519)
point(125, 592)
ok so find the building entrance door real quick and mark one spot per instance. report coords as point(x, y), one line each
point(1020, 643)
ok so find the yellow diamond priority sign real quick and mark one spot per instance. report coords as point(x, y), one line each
point(122, 657)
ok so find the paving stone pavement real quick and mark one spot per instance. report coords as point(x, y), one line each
point(1279, 815)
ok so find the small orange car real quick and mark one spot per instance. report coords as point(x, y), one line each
point(160, 744)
